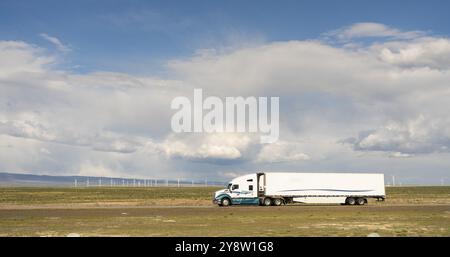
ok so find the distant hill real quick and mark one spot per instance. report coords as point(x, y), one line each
point(16, 179)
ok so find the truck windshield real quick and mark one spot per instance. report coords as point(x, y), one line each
point(229, 186)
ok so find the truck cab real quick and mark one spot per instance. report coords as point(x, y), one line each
point(241, 190)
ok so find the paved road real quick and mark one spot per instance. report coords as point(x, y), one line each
point(196, 210)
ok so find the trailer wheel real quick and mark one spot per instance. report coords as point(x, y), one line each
point(350, 201)
point(225, 202)
point(360, 201)
point(277, 201)
point(267, 201)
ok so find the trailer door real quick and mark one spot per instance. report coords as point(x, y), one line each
point(261, 178)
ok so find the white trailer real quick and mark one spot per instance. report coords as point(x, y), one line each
point(276, 188)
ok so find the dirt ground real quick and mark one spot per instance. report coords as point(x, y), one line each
point(187, 212)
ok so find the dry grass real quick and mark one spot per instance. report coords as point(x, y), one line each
point(408, 211)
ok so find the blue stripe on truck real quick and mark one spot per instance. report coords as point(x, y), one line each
point(321, 189)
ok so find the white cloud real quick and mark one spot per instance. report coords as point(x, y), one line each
point(425, 52)
point(299, 67)
point(400, 155)
point(56, 42)
point(420, 135)
point(279, 68)
point(30, 127)
point(372, 29)
point(281, 152)
point(45, 150)
point(221, 146)
point(19, 58)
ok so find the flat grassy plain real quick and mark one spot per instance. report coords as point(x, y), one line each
point(188, 211)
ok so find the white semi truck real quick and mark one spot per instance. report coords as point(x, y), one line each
point(276, 188)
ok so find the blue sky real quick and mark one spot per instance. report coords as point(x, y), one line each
point(145, 34)
point(86, 86)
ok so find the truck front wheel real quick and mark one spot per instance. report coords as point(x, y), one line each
point(225, 202)
point(267, 201)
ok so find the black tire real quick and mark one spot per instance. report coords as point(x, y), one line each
point(350, 201)
point(267, 201)
point(277, 201)
point(360, 201)
point(225, 202)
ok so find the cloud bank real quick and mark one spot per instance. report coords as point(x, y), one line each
point(341, 108)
